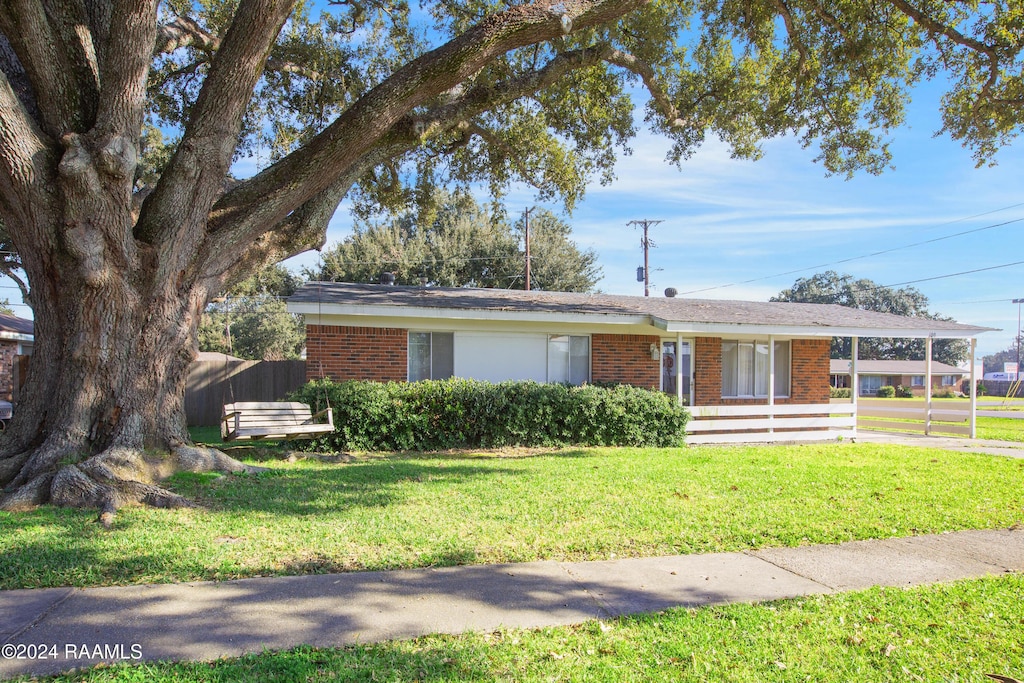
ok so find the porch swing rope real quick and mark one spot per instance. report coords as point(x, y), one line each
point(320, 324)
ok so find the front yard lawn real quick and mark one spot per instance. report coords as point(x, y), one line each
point(405, 510)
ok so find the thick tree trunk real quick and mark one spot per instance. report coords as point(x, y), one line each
point(103, 408)
point(102, 419)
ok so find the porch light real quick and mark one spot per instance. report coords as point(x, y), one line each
point(654, 352)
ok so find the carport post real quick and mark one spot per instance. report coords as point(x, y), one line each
point(928, 385)
point(679, 368)
point(974, 391)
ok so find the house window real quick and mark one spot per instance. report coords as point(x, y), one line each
point(745, 369)
point(948, 380)
point(917, 381)
point(431, 355)
point(870, 384)
point(568, 359)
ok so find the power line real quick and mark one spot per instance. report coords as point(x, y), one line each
point(943, 277)
point(864, 256)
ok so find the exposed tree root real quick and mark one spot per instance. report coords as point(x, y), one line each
point(117, 477)
point(11, 465)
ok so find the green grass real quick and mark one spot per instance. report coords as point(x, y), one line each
point(951, 632)
point(1000, 428)
point(584, 504)
point(990, 428)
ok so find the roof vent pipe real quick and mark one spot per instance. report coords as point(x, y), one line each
point(671, 292)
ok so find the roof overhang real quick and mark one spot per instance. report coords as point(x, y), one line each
point(755, 329)
point(16, 336)
point(438, 313)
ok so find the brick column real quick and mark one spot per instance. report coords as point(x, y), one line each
point(625, 358)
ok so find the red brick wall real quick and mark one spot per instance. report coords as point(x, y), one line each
point(371, 353)
point(707, 371)
point(809, 373)
point(625, 358)
point(8, 353)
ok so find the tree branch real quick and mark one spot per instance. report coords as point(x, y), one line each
point(124, 68)
point(26, 151)
point(194, 176)
point(267, 198)
point(671, 114)
point(65, 85)
point(494, 141)
point(186, 32)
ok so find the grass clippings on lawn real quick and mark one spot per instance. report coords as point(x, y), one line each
point(387, 512)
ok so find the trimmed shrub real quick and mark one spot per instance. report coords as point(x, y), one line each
point(463, 413)
point(839, 392)
point(887, 392)
point(904, 392)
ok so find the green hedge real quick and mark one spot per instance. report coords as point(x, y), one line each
point(461, 413)
point(886, 392)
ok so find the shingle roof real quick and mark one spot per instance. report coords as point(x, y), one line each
point(11, 323)
point(892, 367)
point(672, 313)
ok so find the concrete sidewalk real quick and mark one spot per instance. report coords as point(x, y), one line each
point(1009, 449)
point(61, 628)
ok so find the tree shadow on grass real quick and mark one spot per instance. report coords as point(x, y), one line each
point(312, 487)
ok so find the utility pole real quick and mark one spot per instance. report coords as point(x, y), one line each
point(527, 214)
point(646, 244)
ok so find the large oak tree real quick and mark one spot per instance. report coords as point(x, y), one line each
point(123, 241)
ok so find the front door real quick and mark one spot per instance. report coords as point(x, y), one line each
point(672, 360)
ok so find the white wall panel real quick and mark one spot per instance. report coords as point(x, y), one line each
point(496, 357)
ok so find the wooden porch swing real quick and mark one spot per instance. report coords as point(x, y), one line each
point(273, 420)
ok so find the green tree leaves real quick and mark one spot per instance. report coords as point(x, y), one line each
point(454, 242)
point(832, 288)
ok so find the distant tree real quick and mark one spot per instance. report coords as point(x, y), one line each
point(5, 307)
point(261, 328)
point(556, 262)
point(457, 243)
point(994, 362)
point(832, 288)
point(274, 280)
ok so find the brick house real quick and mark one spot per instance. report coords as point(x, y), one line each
point(16, 340)
point(740, 366)
point(909, 374)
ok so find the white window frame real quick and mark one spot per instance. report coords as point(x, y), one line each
point(868, 382)
point(409, 358)
point(917, 380)
point(569, 368)
point(754, 361)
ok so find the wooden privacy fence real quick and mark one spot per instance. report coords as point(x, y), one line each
point(211, 384)
point(765, 424)
point(912, 415)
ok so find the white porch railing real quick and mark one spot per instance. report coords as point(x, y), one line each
point(765, 424)
point(913, 415)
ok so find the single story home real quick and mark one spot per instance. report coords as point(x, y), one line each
point(743, 367)
point(909, 374)
point(17, 336)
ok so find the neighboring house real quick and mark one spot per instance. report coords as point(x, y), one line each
point(764, 358)
point(909, 374)
point(16, 339)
